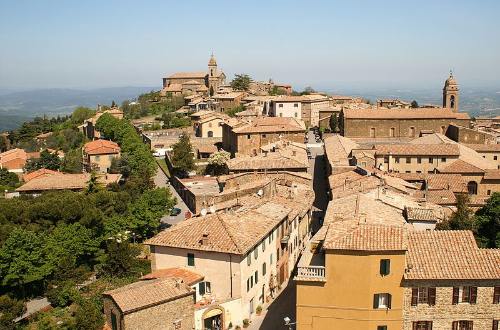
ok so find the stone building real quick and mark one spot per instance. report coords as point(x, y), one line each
point(207, 124)
point(150, 304)
point(490, 152)
point(195, 82)
point(286, 106)
point(468, 135)
point(99, 154)
point(312, 104)
point(227, 101)
point(88, 127)
point(247, 137)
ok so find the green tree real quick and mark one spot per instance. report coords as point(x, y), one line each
point(341, 122)
point(120, 257)
point(241, 82)
point(88, 315)
point(10, 308)
point(93, 184)
point(23, 260)
point(72, 161)
point(308, 90)
point(334, 123)
point(233, 111)
point(217, 163)
point(182, 158)
point(487, 221)
point(414, 104)
point(461, 218)
point(8, 178)
point(80, 114)
point(47, 160)
point(3, 143)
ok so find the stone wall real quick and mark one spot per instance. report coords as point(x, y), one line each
point(444, 312)
point(248, 144)
point(467, 135)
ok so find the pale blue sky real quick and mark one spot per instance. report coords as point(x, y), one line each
point(325, 44)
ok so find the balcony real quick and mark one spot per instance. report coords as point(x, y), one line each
point(311, 267)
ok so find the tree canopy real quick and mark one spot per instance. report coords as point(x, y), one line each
point(182, 158)
point(241, 82)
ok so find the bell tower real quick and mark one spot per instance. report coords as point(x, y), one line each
point(213, 84)
point(450, 93)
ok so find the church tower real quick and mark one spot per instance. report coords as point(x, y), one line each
point(213, 84)
point(450, 93)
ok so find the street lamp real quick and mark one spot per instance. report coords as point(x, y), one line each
point(288, 322)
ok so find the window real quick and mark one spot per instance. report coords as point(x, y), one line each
point(430, 160)
point(461, 325)
point(372, 132)
point(496, 295)
point(295, 115)
point(495, 325)
point(391, 133)
point(256, 253)
point(251, 282)
point(385, 267)
point(472, 188)
point(177, 324)
point(264, 269)
point(281, 115)
point(386, 159)
point(248, 136)
point(495, 157)
point(443, 160)
point(114, 324)
point(280, 105)
point(263, 136)
point(422, 325)
point(271, 259)
point(249, 258)
point(248, 284)
point(97, 158)
point(204, 288)
point(488, 192)
point(381, 327)
point(423, 295)
point(419, 160)
point(295, 105)
point(412, 132)
point(464, 294)
point(382, 300)
point(263, 245)
point(190, 257)
point(408, 160)
point(256, 276)
point(396, 160)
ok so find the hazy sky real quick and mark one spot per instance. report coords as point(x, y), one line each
point(325, 44)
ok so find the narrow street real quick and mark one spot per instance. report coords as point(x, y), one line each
point(161, 181)
point(284, 305)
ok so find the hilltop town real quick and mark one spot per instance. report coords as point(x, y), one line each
point(227, 204)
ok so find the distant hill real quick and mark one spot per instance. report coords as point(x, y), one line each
point(18, 106)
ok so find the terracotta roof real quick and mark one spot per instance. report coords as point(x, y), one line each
point(460, 166)
point(420, 214)
point(101, 147)
point(13, 154)
point(188, 75)
point(270, 124)
point(418, 149)
point(288, 99)
point(144, 294)
point(419, 113)
point(38, 173)
point(453, 255)
point(65, 181)
point(207, 148)
point(437, 181)
point(185, 275)
point(228, 96)
point(439, 197)
point(492, 175)
point(366, 237)
point(173, 88)
point(338, 149)
point(484, 147)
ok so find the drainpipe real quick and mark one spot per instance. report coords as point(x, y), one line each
point(231, 273)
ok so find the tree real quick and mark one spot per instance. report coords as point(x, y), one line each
point(233, 111)
point(341, 122)
point(487, 221)
point(72, 161)
point(80, 114)
point(334, 122)
point(414, 104)
point(88, 315)
point(92, 184)
point(10, 308)
point(182, 158)
point(50, 161)
point(3, 143)
point(212, 91)
point(8, 178)
point(217, 163)
point(113, 104)
point(308, 90)
point(241, 82)
point(120, 255)
point(461, 218)
point(23, 259)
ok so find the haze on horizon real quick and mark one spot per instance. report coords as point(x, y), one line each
point(324, 44)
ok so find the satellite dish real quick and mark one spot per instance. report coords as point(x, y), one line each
point(212, 209)
point(203, 212)
point(260, 192)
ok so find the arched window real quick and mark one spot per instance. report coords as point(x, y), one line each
point(452, 101)
point(472, 188)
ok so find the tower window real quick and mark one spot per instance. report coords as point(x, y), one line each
point(452, 101)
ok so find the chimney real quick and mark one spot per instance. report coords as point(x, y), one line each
point(204, 239)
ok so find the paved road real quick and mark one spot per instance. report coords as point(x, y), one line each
point(317, 168)
point(161, 180)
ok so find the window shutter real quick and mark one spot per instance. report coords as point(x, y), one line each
point(469, 325)
point(414, 296)
point(473, 295)
point(454, 325)
point(382, 267)
point(432, 296)
point(389, 300)
point(495, 325)
point(455, 297)
point(414, 326)
point(496, 295)
point(202, 288)
point(429, 325)
point(375, 301)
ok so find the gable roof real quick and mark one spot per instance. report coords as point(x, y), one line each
point(65, 181)
point(446, 254)
point(149, 293)
point(460, 166)
point(188, 75)
point(185, 275)
point(419, 113)
point(270, 124)
point(101, 147)
point(38, 173)
point(485, 147)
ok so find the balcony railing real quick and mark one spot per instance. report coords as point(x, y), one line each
point(311, 273)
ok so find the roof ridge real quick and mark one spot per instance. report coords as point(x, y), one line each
point(229, 233)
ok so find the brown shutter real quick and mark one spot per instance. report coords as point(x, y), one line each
point(432, 296)
point(469, 325)
point(429, 325)
point(389, 300)
point(455, 297)
point(414, 326)
point(454, 325)
point(473, 295)
point(414, 296)
point(495, 325)
point(496, 295)
point(375, 301)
